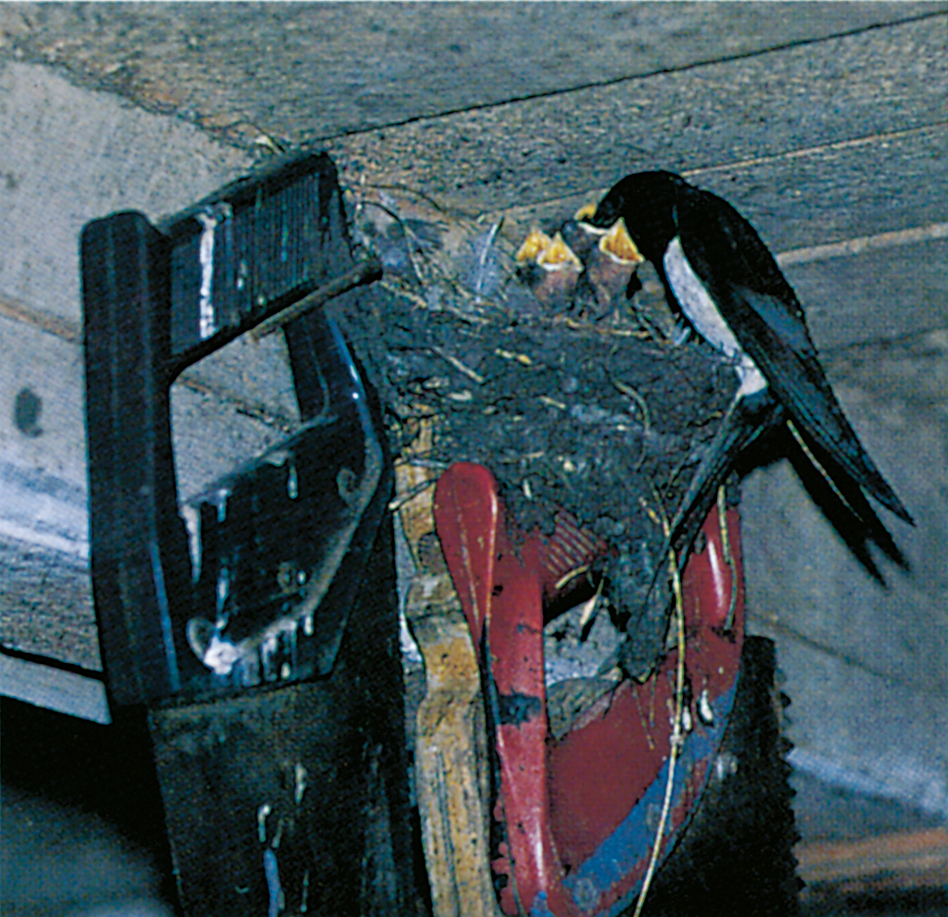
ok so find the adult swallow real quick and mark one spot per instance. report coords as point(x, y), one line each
point(728, 286)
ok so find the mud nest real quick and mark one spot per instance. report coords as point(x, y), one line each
point(598, 412)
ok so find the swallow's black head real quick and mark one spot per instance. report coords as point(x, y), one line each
point(648, 203)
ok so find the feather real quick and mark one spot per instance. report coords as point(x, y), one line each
point(486, 274)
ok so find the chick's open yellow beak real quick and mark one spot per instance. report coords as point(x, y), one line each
point(618, 244)
point(535, 243)
point(558, 255)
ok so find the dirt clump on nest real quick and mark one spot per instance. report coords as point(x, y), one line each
point(596, 412)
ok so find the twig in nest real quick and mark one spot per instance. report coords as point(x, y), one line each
point(577, 325)
point(421, 194)
point(458, 365)
point(658, 520)
point(481, 271)
point(630, 392)
point(410, 237)
point(677, 738)
point(404, 294)
point(635, 396)
point(551, 402)
point(728, 557)
point(365, 271)
point(520, 459)
point(431, 464)
point(520, 358)
point(570, 576)
point(589, 610)
point(397, 502)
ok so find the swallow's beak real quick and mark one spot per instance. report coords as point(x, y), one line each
point(585, 213)
point(612, 263)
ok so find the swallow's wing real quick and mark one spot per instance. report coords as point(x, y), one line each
point(764, 315)
point(744, 422)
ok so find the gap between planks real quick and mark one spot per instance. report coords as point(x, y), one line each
point(888, 861)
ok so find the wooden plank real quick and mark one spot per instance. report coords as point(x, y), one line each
point(839, 91)
point(817, 195)
point(883, 863)
point(56, 689)
point(42, 450)
point(369, 65)
point(72, 156)
point(46, 602)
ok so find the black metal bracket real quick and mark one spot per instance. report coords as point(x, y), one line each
point(257, 589)
point(279, 575)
